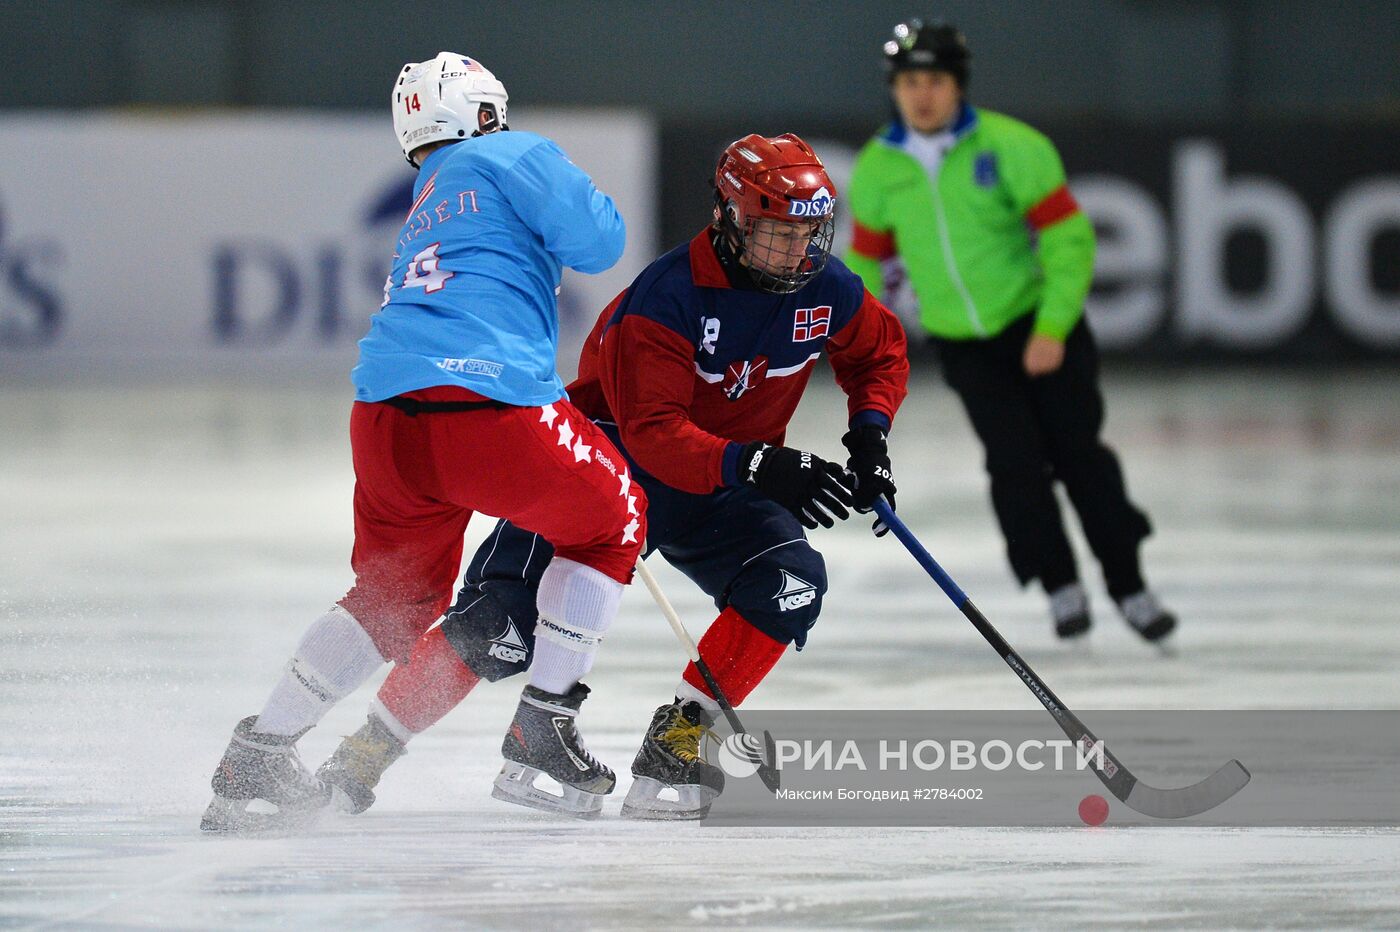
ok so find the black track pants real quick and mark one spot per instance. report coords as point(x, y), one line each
point(1037, 431)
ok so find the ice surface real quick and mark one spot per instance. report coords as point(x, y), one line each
point(162, 550)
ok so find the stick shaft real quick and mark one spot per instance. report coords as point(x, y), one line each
point(1114, 775)
point(766, 771)
point(689, 643)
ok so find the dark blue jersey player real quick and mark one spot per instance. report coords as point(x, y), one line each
point(694, 372)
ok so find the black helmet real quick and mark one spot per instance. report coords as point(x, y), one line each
point(937, 46)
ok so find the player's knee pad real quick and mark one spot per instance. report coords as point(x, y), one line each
point(493, 632)
point(780, 593)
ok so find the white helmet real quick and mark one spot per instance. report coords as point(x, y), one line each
point(448, 98)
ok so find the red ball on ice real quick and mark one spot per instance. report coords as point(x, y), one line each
point(1093, 809)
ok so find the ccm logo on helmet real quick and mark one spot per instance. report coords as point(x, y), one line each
point(820, 205)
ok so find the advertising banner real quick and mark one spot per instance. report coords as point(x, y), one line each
point(192, 245)
point(1272, 242)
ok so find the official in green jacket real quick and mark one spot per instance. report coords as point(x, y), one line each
point(975, 206)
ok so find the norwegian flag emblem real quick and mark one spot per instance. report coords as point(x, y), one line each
point(811, 322)
point(742, 376)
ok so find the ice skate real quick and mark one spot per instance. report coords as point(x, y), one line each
point(1147, 617)
point(544, 741)
point(262, 785)
point(670, 763)
point(357, 766)
point(1069, 607)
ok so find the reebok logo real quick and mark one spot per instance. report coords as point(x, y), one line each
point(509, 647)
point(796, 592)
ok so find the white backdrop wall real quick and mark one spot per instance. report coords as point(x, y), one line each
point(196, 246)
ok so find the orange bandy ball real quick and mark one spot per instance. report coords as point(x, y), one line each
point(1093, 809)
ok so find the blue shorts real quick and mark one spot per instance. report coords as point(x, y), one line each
point(743, 550)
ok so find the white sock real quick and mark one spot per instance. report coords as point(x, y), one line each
point(577, 604)
point(396, 728)
point(688, 693)
point(334, 657)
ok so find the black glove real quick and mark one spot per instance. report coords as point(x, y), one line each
point(870, 464)
point(806, 485)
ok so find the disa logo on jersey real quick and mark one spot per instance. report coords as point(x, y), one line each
point(821, 205)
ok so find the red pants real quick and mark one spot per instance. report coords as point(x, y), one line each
point(418, 479)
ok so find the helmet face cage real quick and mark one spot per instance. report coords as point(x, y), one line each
point(776, 205)
point(784, 255)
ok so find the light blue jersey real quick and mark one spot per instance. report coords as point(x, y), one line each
point(471, 297)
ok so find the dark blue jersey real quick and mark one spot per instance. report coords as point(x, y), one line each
point(691, 367)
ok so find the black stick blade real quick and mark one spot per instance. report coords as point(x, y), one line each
point(1190, 800)
point(766, 771)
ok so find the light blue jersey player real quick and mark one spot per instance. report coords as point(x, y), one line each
point(470, 300)
point(458, 410)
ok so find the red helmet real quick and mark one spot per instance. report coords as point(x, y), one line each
point(776, 203)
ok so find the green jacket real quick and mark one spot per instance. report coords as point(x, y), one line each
point(966, 237)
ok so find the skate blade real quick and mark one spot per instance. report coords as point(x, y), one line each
point(644, 801)
point(346, 803)
point(1158, 631)
point(1072, 630)
point(516, 784)
point(237, 817)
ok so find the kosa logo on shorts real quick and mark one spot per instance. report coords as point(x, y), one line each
point(509, 647)
point(821, 205)
point(795, 592)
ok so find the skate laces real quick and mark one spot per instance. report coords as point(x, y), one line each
point(576, 740)
point(365, 757)
point(285, 764)
point(682, 737)
point(299, 771)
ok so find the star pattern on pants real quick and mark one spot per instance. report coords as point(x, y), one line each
point(566, 433)
point(629, 533)
point(626, 481)
point(631, 504)
point(548, 414)
point(582, 452)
